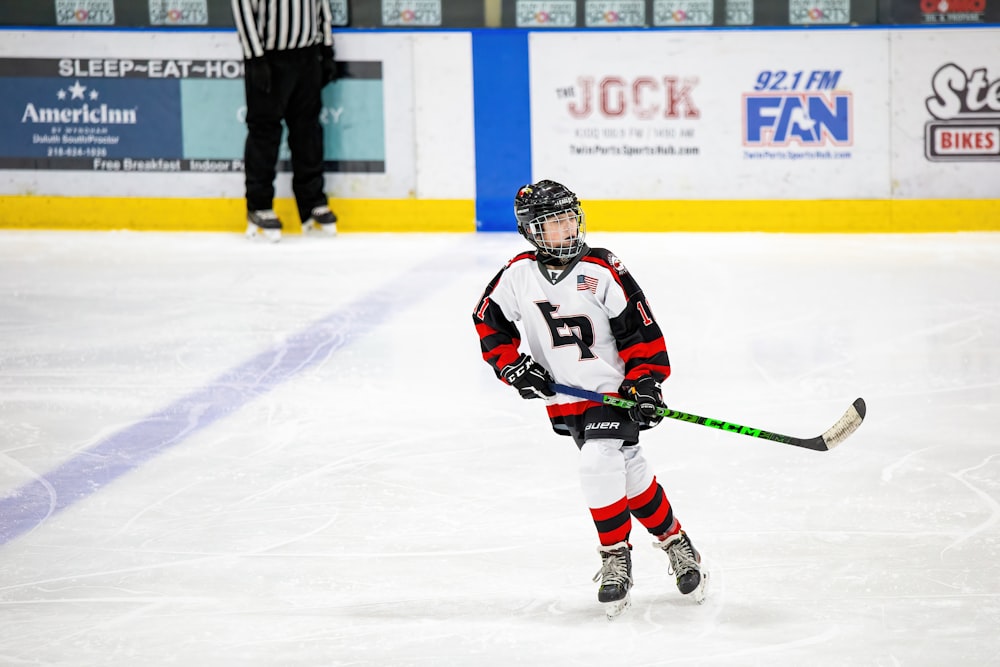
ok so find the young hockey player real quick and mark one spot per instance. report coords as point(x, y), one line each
point(587, 324)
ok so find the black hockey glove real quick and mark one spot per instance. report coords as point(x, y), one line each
point(258, 73)
point(329, 64)
point(529, 378)
point(646, 393)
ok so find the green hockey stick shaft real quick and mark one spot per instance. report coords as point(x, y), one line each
point(831, 438)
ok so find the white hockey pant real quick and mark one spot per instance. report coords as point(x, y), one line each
point(610, 472)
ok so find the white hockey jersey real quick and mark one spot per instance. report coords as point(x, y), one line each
point(589, 324)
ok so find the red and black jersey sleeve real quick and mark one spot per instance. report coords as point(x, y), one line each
point(499, 338)
point(638, 336)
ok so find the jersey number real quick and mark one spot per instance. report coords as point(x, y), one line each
point(646, 319)
point(573, 330)
point(481, 313)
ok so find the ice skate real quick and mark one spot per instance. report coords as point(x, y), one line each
point(685, 564)
point(616, 579)
point(263, 224)
point(322, 221)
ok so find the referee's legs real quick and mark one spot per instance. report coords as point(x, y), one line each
point(260, 155)
point(305, 135)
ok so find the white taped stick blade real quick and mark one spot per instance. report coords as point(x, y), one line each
point(846, 425)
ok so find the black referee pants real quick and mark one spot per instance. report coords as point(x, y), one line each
point(296, 85)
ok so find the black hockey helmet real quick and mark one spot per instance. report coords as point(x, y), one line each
point(544, 201)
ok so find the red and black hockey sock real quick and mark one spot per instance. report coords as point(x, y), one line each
point(614, 523)
point(653, 511)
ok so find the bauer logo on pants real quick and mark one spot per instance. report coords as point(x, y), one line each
point(603, 426)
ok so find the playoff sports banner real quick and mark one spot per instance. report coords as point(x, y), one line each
point(667, 115)
point(169, 13)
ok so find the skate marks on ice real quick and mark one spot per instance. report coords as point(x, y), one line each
point(615, 610)
point(922, 459)
point(119, 453)
point(289, 534)
point(655, 599)
point(990, 503)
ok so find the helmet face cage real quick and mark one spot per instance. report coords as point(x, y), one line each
point(553, 203)
point(562, 248)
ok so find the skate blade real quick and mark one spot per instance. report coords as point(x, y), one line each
point(271, 235)
point(312, 228)
point(699, 594)
point(615, 609)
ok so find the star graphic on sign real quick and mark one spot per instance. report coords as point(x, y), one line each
point(61, 94)
point(93, 94)
point(77, 91)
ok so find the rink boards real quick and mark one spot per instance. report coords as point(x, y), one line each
point(797, 130)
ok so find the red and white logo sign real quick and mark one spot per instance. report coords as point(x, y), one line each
point(643, 97)
point(968, 140)
point(952, 11)
point(966, 111)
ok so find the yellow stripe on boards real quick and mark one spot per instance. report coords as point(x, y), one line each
point(946, 215)
point(228, 215)
point(445, 215)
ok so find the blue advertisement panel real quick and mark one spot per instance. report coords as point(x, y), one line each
point(133, 115)
point(89, 123)
point(354, 106)
point(214, 119)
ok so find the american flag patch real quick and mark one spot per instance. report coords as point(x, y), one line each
point(584, 283)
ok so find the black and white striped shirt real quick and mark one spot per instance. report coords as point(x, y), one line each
point(279, 25)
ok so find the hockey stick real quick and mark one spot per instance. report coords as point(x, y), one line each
point(835, 435)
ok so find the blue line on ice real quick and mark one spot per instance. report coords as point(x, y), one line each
point(124, 451)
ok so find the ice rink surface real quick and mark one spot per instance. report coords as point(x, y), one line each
point(215, 452)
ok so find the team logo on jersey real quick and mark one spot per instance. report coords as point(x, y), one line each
point(616, 264)
point(571, 330)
